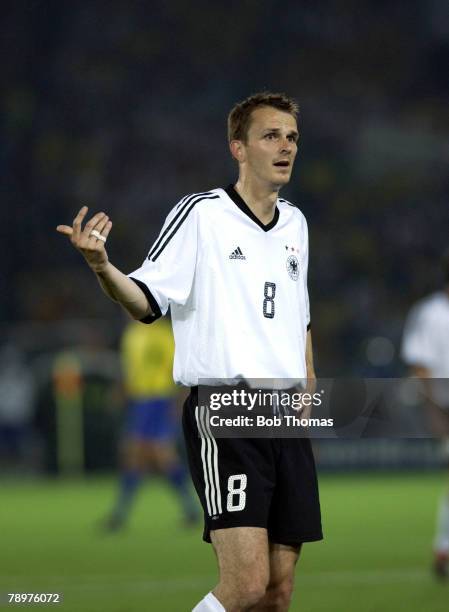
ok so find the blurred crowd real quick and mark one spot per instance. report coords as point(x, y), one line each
point(122, 106)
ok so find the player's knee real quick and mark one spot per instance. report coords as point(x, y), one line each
point(280, 593)
point(250, 589)
point(250, 594)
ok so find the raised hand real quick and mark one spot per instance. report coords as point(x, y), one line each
point(91, 240)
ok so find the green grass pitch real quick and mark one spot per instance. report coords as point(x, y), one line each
point(375, 557)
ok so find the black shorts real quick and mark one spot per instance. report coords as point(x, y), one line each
point(252, 482)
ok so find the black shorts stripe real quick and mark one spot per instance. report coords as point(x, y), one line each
point(181, 206)
point(154, 255)
point(209, 459)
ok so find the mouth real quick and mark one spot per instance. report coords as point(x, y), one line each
point(283, 163)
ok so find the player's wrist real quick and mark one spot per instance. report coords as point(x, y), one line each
point(100, 269)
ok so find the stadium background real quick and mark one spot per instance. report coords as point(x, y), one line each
point(122, 106)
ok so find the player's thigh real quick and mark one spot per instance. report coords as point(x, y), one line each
point(242, 553)
point(282, 560)
point(136, 453)
point(164, 453)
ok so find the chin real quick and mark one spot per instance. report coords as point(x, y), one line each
point(280, 181)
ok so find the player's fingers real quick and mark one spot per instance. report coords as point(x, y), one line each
point(77, 223)
point(107, 229)
point(64, 229)
point(101, 244)
point(102, 224)
point(94, 241)
point(90, 225)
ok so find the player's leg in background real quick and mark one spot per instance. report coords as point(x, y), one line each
point(167, 459)
point(242, 554)
point(441, 547)
point(279, 592)
point(168, 463)
point(136, 456)
point(441, 542)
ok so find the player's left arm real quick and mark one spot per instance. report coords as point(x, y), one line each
point(311, 376)
point(310, 369)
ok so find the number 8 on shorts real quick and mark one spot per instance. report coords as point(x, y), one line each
point(236, 488)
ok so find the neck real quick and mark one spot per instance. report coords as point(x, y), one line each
point(261, 199)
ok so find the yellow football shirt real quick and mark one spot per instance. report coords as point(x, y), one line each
point(147, 357)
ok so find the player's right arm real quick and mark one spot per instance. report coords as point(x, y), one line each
point(115, 284)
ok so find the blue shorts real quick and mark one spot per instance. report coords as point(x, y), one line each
point(12, 437)
point(151, 419)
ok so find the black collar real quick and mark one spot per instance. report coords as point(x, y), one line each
point(238, 201)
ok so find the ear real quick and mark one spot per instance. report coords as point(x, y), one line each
point(237, 150)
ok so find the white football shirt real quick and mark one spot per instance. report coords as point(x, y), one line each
point(426, 340)
point(237, 288)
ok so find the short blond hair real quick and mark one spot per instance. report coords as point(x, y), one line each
point(239, 119)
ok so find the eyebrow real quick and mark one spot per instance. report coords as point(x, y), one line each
point(291, 133)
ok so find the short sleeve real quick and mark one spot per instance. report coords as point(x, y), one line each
point(166, 275)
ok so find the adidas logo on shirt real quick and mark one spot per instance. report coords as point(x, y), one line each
point(237, 254)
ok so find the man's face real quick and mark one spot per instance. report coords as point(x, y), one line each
point(271, 146)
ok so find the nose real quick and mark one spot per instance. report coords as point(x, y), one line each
point(286, 145)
